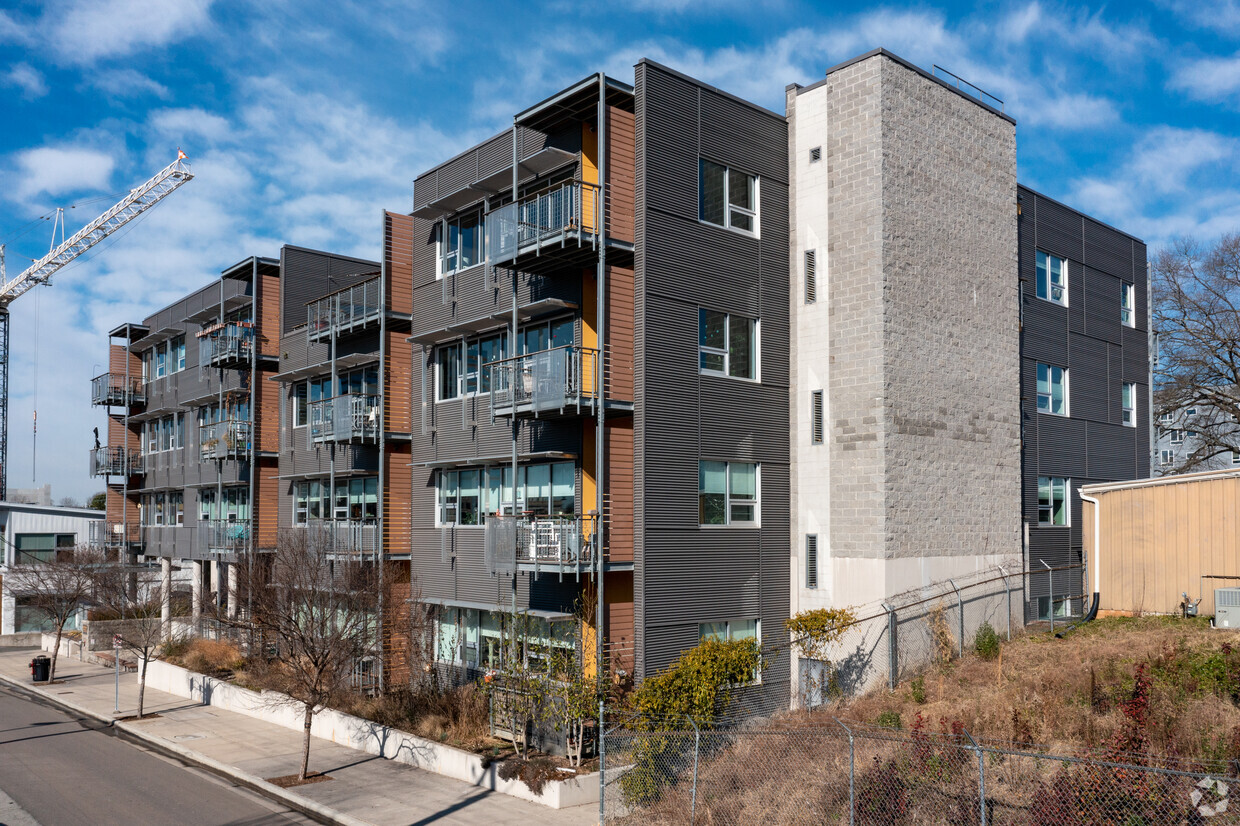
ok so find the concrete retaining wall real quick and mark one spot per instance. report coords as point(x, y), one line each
point(372, 738)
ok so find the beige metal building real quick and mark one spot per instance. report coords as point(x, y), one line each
point(1150, 541)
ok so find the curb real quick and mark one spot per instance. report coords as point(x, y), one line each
point(269, 790)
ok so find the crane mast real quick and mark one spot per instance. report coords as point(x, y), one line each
point(138, 201)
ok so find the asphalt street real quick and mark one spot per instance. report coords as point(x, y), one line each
point(66, 772)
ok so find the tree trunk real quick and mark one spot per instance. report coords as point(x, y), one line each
point(51, 674)
point(305, 743)
point(141, 683)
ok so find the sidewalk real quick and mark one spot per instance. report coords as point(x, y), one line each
point(365, 789)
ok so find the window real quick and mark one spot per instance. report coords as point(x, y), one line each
point(455, 377)
point(743, 629)
point(176, 508)
point(1177, 436)
point(1052, 390)
point(1235, 457)
point(233, 506)
point(1052, 500)
point(148, 371)
point(161, 360)
point(811, 276)
point(815, 417)
point(1129, 404)
point(311, 501)
point(727, 197)
point(727, 493)
point(466, 496)
point(461, 243)
point(1165, 418)
point(359, 382)
point(448, 372)
point(34, 548)
point(811, 560)
point(727, 344)
point(1190, 412)
point(300, 404)
point(543, 336)
point(1126, 304)
point(484, 351)
point(1052, 278)
point(1166, 457)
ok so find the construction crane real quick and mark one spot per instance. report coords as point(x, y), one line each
point(138, 201)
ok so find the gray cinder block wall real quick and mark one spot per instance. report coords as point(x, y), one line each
point(913, 338)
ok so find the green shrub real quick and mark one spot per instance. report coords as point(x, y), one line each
point(890, 719)
point(986, 643)
point(917, 688)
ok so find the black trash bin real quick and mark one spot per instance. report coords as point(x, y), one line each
point(40, 668)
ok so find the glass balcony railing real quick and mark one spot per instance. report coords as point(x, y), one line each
point(115, 461)
point(117, 390)
point(560, 380)
point(229, 439)
point(219, 536)
point(344, 537)
point(563, 544)
point(226, 345)
point(345, 418)
point(568, 211)
point(114, 534)
point(343, 312)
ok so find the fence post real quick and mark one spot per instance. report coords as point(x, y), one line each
point(1007, 588)
point(1050, 572)
point(697, 742)
point(981, 774)
point(960, 604)
point(893, 653)
point(602, 767)
point(852, 763)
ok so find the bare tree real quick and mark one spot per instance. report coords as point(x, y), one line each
point(1196, 308)
point(318, 611)
point(57, 586)
point(69, 502)
point(133, 596)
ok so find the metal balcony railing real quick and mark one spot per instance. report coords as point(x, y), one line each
point(117, 390)
point(218, 536)
point(224, 345)
point(559, 380)
point(350, 309)
point(563, 212)
point(344, 537)
point(115, 461)
point(115, 534)
point(563, 544)
point(229, 439)
point(345, 418)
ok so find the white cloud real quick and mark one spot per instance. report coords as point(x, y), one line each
point(60, 170)
point(1215, 79)
point(1221, 16)
point(179, 124)
point(28, 79)
point(126, 83)
point(82, 32)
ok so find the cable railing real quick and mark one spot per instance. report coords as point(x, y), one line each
point(341, 312)
point(115, 461)
point(555, 380)
point(569, 211)
point(345, 418)
point(117, 390)
point(228, 439)
point(340, 536)
point(220, 536)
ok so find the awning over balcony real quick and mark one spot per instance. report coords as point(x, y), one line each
point(211, 311)
point(498, 459)
point(495, 320)
point(323, 367)
point(491, 606)
point(539, 163)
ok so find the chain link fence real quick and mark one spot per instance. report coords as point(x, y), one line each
point(860, 775)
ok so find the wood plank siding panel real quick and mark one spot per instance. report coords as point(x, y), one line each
point(618, 489)
point(398, 384)
point(621, 173)
point(618, 337)
point(398, 261)
point(397, 507)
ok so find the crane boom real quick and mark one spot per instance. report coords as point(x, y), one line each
point(138, 201)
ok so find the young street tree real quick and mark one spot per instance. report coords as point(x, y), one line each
point(133, 597)
point(319, 613)
point(56, 584)
point(1196, 308)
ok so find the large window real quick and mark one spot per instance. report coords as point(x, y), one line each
point(448, 372)
point(301, 393)
point(1127, 302)
point(455, 377)
point(1052, 390)
point(472, 637)
point(727, 344)
point(232, 506)
point(1052, 500)
point(1128, 402)
point(727, 493)
point(1052, 278)
point(461, 245)
point(727, 197)
point(466, 496)
point(482, 351)
point(167, 433)
point(737, 629)
point(40, 547)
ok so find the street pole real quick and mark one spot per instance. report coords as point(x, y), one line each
point(116, 660)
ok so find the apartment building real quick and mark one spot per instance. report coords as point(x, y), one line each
point(1199, 433)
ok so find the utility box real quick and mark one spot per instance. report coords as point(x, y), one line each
point(1227, 607)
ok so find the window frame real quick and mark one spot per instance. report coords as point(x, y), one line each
point(1043, 284)
point(728, 206)
point(755, 348)
point(494, 494)
point(1128, 404)
point(1176, 435)
point(1065, 486)
point(443, 250)
point(728, 637)
point(1128, 304)
point(729, 499)
point(1049, 395)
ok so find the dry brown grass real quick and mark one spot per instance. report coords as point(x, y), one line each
point(210, 657)
point(457, 716)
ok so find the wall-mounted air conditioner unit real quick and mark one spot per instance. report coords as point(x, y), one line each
point(1227, 607)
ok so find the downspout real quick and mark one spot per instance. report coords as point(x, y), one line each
point(513, 378)
point(599, 398)
point(380, 551)
point(1093, 609)
point(257, 313)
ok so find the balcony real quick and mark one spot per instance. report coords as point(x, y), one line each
point(115, 534)
point(349, 310)
point(226, 345)
point(115, 461)
point(540, 544)
point(557, 382)
point(229, 439)
point(117, 390)
point(217, 536)
point(564, 215)
point(349, 417)
point(344, 537)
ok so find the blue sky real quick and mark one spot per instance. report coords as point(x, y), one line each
point(303, 120)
